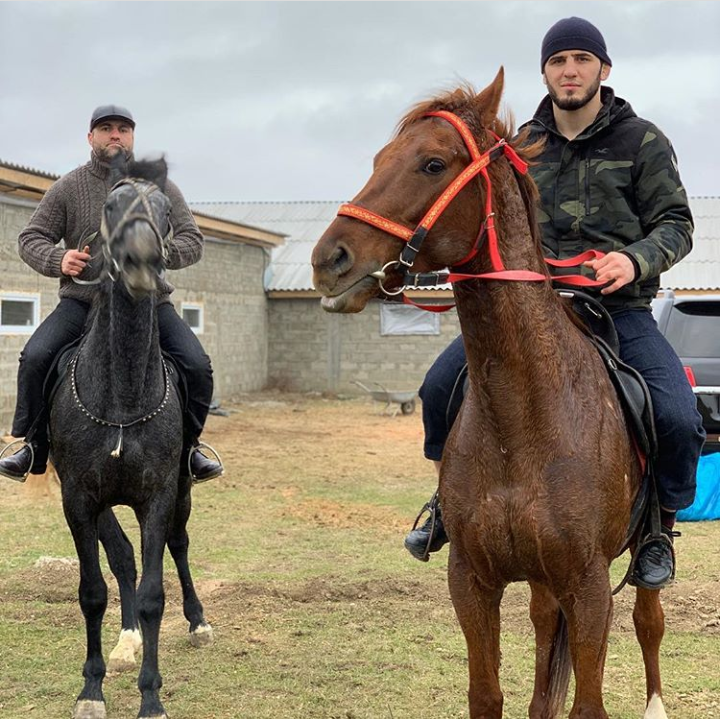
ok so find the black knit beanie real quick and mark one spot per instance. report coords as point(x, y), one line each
point(573, 33)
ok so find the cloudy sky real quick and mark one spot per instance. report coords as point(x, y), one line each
point(291, 100)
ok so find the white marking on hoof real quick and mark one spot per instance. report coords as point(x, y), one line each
point(156, 716)
point(86, 709)
point(655, 708)
point(202, 636)
point(122, 658)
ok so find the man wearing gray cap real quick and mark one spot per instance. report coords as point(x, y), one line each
point(608, 181)
point(70, 211)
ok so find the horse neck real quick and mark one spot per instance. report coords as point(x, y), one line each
point(121, 358)
point(517, 335)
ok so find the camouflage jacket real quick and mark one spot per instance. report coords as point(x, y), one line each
point(616, 187)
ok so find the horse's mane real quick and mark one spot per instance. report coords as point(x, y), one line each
point(155, 171)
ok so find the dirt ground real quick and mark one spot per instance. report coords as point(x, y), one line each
point(308, 523)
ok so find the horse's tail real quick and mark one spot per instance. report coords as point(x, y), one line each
point(560, 667)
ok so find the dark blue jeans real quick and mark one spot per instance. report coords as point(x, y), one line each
point(67, 322)
point(642, 346)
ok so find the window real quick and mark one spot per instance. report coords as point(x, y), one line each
point(193, 315)
point(19, 314)
point(397, 319)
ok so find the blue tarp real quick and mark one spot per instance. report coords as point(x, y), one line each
point(707, 499)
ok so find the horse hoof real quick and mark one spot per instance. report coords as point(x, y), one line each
point(655, 708)
point(202, 636)
point(122, 658)
point(155, 716)
point(86, 709)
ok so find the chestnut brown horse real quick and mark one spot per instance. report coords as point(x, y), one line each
point(539, 474)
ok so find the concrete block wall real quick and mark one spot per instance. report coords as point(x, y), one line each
point(311, 350)
point(228, 283)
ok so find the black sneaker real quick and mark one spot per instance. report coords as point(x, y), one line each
point(202, 468)
point(655, 562)
point(431, 537)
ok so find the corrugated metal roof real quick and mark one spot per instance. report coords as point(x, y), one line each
point(304, 222)
point(31, 170)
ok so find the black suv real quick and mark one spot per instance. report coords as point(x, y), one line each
point(692, 326)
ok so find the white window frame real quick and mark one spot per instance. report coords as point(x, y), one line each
point(393, 327)
point(32, 298)
point(201, 311)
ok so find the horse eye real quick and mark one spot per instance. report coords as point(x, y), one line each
point(434, 167)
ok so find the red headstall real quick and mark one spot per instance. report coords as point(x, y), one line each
point(414, 238)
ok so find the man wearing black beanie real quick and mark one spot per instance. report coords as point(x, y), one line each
point(608, 181)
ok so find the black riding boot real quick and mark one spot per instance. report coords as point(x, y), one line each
point(201, 468)
point(31, 459)
point(655, 562)
point(431, 536)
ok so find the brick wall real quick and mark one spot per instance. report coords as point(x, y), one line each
point(227, 283)
point(311, 350)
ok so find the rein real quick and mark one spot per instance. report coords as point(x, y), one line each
point(414, 238)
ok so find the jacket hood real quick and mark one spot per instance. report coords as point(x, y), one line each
point(614, 109)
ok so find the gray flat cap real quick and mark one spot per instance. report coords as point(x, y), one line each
point(111, 112)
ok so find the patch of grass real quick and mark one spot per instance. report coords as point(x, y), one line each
point(318, 611)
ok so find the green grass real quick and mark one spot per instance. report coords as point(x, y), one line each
point(318, 611)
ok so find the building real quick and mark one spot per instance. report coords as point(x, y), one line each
point(222, 297)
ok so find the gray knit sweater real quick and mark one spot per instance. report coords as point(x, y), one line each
point(71, 211)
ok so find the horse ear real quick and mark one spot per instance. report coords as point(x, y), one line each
point(488, 101)
point(118, 168)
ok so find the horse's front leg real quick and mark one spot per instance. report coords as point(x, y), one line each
point(82, 520)
point(201, 633)
point(478, 611)
point(588, 609)
point(121, 559)
point(649, 627)
point(155, 520)
point(552, 656)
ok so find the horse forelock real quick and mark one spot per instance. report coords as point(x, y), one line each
point(462, 101)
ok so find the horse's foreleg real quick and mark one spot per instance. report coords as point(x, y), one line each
point(201, 632)
point(90, 703)
point(649, 627)
point(588, 609)
point(478, 611)
point(552, 658)
point(121, 559)
point(154, 526)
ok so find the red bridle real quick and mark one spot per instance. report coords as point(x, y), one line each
point(414, 238)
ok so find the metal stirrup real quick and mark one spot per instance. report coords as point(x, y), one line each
point(195, 448)
point(32, 455)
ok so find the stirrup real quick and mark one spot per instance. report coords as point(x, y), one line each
point(196, 448)
point(32, 457)
point(432, 508)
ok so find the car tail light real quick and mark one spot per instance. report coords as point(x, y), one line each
point(691, 376)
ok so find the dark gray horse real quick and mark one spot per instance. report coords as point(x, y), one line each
point(116, 427)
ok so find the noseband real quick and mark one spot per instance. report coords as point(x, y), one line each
point(414, 238)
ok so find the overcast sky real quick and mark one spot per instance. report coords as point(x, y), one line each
point(291, 100)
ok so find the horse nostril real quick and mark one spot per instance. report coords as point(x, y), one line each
point(340, 260)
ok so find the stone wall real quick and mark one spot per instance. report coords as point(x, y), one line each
point(311, 350)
